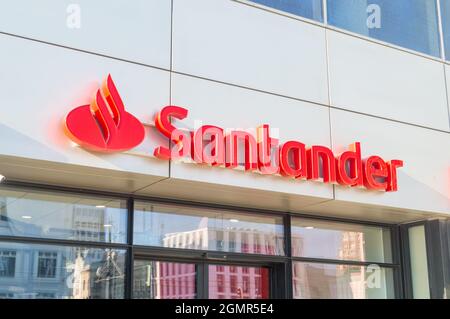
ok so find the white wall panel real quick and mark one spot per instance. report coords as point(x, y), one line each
point(137, 30)
point(231, 42)
point(40, 84)
point(374, 79)
point(231, 107)
point(423, 182)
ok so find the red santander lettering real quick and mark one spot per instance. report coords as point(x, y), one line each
point(210, 145)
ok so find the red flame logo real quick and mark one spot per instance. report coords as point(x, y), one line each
point(104, 125)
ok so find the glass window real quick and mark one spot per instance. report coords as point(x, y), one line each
point(329, 281)
point(241, 283)
point(47, 262)
point(220, 284)
point(419, 262)
point(231, 241)
point(164, 280)
point(445, 16)
point(219, 240)
point(341, 241)
point(64, 272)
point(411, 24)
point(207, 229)
point(62, 216)
point(7, 263)
point(311, 9)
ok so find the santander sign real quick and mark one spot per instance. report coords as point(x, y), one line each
point(105, 126)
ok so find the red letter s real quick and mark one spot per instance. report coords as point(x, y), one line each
point(162, 123)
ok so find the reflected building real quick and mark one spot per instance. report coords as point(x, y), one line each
point(313, 282)
point(327, 281)
point(232, 239)
point(27, 273)
point(81, 279)
point(42, 271)
point(88, 223)
point(351, 280)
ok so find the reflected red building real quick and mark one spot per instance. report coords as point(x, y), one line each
point(177, 280)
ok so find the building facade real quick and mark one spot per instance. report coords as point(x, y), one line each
point(229, 149)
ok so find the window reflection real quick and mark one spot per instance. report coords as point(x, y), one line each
point(341, 241)
point(62, 216)
point(411, 24)
point(164, 280)
point(445, 13)
point(29, 271)
point(311, 9)
point(7, 263)
point(327, 281)
point(47, 264)
point(176, 227)
point(238, 282)
point(171, 280)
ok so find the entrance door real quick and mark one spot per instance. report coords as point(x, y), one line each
point(164, 280)
point(160, 279)
point(238, 282)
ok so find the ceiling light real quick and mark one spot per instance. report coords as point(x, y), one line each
point(309, 227)
point(107, 225)
point(100, 206)
point(26, 217)
point(233, 220)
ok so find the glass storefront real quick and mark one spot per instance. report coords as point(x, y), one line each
point(340, 241)
point(35, 271)
point(320, 248)
point(207, 229)
point(41, 214)
point(332, 281)
point(56, 244)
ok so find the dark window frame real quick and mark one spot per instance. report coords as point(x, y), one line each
point(434, 238)
point(281, 285)
point(43, 258)
point(11, 272)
